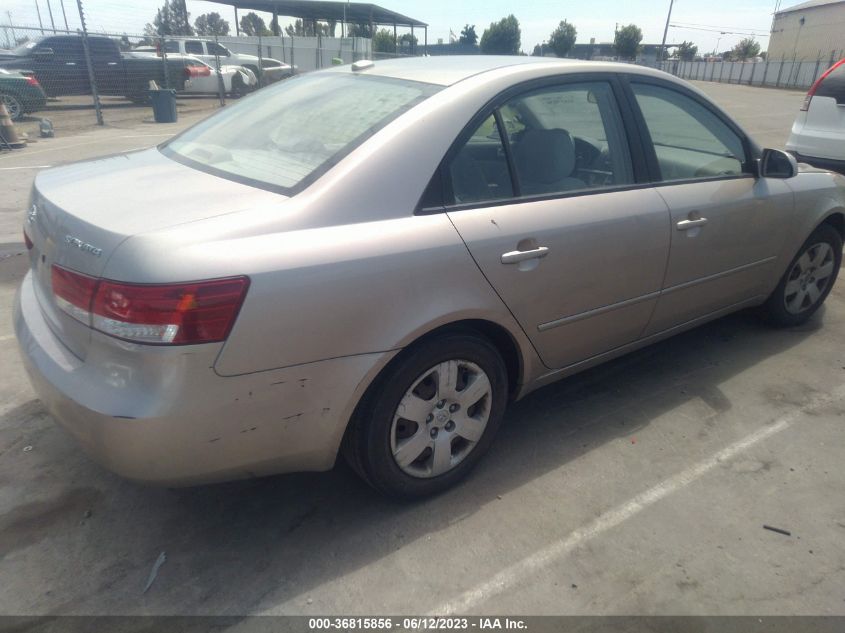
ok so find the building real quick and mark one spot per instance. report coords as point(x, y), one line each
point(809, 31)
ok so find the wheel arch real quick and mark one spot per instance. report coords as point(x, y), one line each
point(836, 219)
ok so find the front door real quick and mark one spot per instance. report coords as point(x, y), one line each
point(728, 226)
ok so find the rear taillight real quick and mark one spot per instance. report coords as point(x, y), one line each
point(175, 314)
point(197, 71)
point(32, 81)
point(814, 88)
point(27, 241)
point(74, 292)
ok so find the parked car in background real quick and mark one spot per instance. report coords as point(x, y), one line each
point(375, 259)
point(818, 134)
point(58, 62)
point(21, 94)
point(209, 51)
point(202, 78)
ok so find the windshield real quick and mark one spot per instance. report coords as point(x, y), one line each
point(24, 48)
point(287, 135)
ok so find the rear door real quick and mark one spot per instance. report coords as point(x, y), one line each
point(728, 226)
point(545, 193)
point(108, 66)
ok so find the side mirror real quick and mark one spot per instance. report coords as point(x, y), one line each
point(43, 53)
point(776, 163)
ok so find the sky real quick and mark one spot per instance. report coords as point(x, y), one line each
point(722, 22)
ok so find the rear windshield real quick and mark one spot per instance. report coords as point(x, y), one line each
point(285, 136)
point(834, 85)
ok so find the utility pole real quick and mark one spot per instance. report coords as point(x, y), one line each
point(12, 28)
point(38, 11)
point(662, 55)
point(64, 15)
point(50, 10)
point(87, 51)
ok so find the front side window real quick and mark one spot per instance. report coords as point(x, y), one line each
point(171, 46)
point(215, 49)
point(690, 141)
point(192, 47)
point(286, 135)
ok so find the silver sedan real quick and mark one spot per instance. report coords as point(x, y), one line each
point(375, 259)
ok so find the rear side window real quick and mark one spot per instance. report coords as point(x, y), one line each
point(479, 171)
point(192, 47)
point(567, 137)
point(171, 46)
point(834, 85)
point(690, 141)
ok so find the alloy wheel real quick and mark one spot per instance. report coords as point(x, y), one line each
point(12, 105)
point(809, 277)
point(441, 418)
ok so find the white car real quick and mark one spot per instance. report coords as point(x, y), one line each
point(202, 78)
point(272, 69)
point(818, 134)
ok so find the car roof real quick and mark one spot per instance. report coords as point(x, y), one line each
point(448, 70)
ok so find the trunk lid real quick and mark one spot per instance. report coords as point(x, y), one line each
point(80, 214)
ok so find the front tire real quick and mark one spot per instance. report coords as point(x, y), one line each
point(807, 281)
point(13, 105)
point(430, 417)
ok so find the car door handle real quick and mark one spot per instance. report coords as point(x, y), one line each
point(112, 63)
point(70, 63)
point(514, 257)
point(685, 225)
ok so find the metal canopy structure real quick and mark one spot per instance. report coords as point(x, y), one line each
point(328, 10)
point(349, 12)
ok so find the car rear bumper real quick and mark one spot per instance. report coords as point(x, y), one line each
point(831, 164)
point(172, 420)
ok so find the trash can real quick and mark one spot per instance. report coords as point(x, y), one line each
point(164, 105)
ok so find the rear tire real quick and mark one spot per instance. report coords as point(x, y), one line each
point(453, 390)
point(807, 281)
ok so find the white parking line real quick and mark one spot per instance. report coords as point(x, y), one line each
point(7, 337)
point(89, 142)
point(523, 570)
point(29, 167)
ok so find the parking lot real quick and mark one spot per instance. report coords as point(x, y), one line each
point(638, 487)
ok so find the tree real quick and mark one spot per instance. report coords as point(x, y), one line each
point(310, 28)
point(538, 51)
point(562, 38)
point(468, 35)
point(627, 41)
point(502, 37)
point(383, 41)
point(171, 19)
point(408, 41)
point(253, 24)
point(181, 18)
point(211, 24)
point(747, 47)
point(686, 51)
point(359, 30)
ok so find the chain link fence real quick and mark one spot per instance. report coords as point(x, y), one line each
point(104, 71)
point(776, 73)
